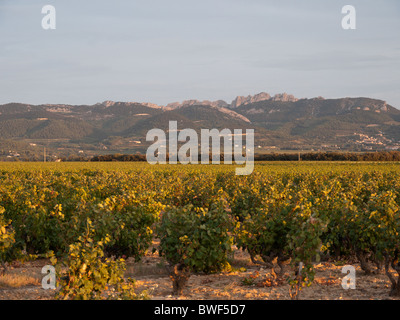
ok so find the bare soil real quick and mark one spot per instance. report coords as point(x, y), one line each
point(247, 282)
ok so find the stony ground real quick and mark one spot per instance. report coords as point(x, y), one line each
point(249, 281)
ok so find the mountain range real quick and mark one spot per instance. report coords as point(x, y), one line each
point(281, 122)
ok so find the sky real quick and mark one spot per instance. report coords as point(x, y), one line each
point(166, 51)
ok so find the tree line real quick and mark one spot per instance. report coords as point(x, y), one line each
point(310, 156)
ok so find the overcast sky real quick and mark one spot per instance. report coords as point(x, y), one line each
point(165, 51)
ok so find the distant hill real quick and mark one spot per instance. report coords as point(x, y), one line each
point(281, 122)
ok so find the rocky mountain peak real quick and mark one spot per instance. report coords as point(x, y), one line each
point(108, 103)
point(218, 103)
point(284, 97)
point(241, 100)
point(263, 96)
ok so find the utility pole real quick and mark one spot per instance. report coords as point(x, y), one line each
point(44, 154)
